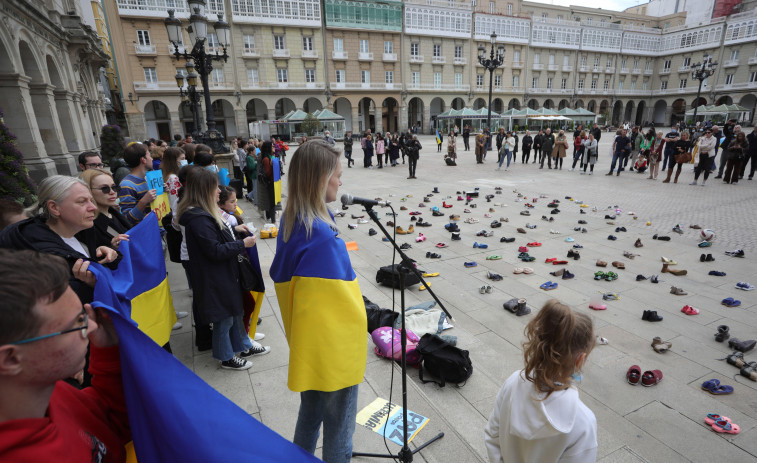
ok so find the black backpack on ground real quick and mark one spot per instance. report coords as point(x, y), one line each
point(389, 276)
point(443, 360)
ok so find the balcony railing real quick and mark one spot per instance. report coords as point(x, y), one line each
point(610, 70)
point(462, 61)
point(298, 85)
point(310, 54)
point(416, 58)
point(583, 68)
point(589, 91)
point(740, 85)
point(443, 87)
point(552, 67)
point(516, 64)
point(438, 59)
point(338, 55)
point(567, 68)
point(251, 86)
point(172, 49)
point(144, 49)
point(636, 71)
point(221, 85)
point(251, 53)
point(389, 57)
point(624, 70)
point(753, 60)
point(648, 72)
point(596, 69)
point(364, 56)
point(538, 67)
point(152, 86)
point(684, 69)
point(664, 71)
point(366, 86)
point(560, 91)
point(631, 91)
point(281, 53)
point(731, 63)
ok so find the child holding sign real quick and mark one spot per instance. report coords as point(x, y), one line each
point(538, 416)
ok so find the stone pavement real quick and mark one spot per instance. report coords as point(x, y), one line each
point(664, 423)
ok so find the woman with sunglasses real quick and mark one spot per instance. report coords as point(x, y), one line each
point(110, 225)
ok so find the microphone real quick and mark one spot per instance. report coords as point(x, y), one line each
point(348, 199)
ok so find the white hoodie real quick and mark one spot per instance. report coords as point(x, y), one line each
point(524, 429)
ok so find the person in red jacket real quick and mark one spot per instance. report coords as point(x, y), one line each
point(44, 333)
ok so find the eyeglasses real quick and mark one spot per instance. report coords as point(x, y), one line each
point(94, 166)
point(83, 320)
point(107, 189)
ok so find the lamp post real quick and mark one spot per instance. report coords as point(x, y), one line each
point(701, 71)
point(202, 62)
point(491, 64)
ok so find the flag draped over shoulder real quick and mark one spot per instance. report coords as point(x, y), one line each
point(141, 284)
point(438, 137)
point(276, 179)
point(174, 415)
point(322, 310)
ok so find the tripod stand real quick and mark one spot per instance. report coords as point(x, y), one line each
point(405, 455)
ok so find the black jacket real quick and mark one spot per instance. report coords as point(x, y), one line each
point(34, 234)
point(527, 142)
point(500, 137)
point(105, 227)
point(213, 266)
point(597, 132)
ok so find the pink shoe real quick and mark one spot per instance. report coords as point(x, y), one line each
point(420, 238)
point(597, 306)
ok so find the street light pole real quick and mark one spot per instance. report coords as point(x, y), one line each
point(701, 71)
point(491, 64)
point(202, 62)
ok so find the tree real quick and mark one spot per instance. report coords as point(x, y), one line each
point(15, 183)
point(112, 142)
point(310, 125)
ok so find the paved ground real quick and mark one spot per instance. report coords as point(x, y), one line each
point(664, 423)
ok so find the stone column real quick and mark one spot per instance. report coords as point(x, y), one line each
point(377, 116)
point(271, 114)
point(16, 103)
point(403, 123)
point(175, 123)
point(426, 119)
point(46, 113)
point(355, 117)
point(64, 103)
point(137, 126)
point(240, 120)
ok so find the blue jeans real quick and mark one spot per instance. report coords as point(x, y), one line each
point(668, 160)
point(337, 411)
point(617, 156)
point(508, 154)
point(229, 337)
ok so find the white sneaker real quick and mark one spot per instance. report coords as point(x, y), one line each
point(258, 337)
point(182, 314)
point(177, 326)
point(693, 183)
point(236, 363)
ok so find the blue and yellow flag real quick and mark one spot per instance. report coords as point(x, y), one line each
point(174, 415)
point(276, 180)
point(322, 309)
point(438, 137)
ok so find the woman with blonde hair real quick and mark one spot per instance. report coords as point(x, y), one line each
point(110, 225)
point(215, 250)
point(538, 416)
point(560, 148)
point(321, 305)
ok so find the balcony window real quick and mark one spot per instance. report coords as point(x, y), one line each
point(282, 75)
point(594, 84)
point(664, 85)
point(415, 78)
point(734, 55)
point(340, 76)
point(388, 46)
point(310, 76)
point(414, 49)
point(249, 43)
point(364, 46)
point(537, 58)
point(216, 76)
point(498, 81)
point(151, 76)
point(479, 80)
point(753, 77)
point(566, 60)
point(252, 77)
point(459, 79)
point(509, 9)
point(644, 85)
point(389, 77)
point(535, 82)
point(213, 46)
point(437, 51)
point(339, 45)
point(549, 83)
point(686, 62)
point(666, 65)
point(728, 79)
point(279, 42)
point(458, 51)
point(580, 84)
point(563, 84)
point(607, 85)
point(583, 61)
point(516, 56)
point(365, 77)
point(620, 85)
point(516, 81)
point(143, 38)
point(437, 80)
point(307, 44)
point(633, 85)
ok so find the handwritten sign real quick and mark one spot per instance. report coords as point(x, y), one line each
point(155, 180)
point(385, 418)
point(160, 206)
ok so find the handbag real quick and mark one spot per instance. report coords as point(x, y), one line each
point(683, 158)
point(248, 279)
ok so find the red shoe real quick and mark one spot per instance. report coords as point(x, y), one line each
point(534, 244)
point(689, 310)
point(559, 262)
point(651, 378)
point(550, 259)
point(633, 375)
point(522, 249)
point(444, 204)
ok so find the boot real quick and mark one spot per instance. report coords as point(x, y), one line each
point(678, 172)
point(521, 308)
point(722, 333)
point(664, 268)
point(749, 371)
point(670, 172)
point(736, 359)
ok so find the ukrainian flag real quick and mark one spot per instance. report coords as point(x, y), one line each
point(254, 299)
point(276, 179)
point(438, 137)
point(174, 415)
point(322, 309)
point(141, 283)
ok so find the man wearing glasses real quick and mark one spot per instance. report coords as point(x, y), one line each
point(90, 160)
point(44, 333)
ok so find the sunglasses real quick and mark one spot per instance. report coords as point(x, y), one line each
point(82, 320)
point(107, 189)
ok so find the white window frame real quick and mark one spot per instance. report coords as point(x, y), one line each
point(249, 42)
point(388, 46)
point(338, 44)
point(414, 49)
point(389, 77)
point(458, 79)
point(340, 76)
point(310, 75)
point(143, 37)
point(580, 84)
point(549, 82)
point(516, 81)
point(498, 81)
point(365, 77)
point(458, 51)
point(563, 83)
point(479, 80)
point(729, 79)
point(282, 75)
point(682, 83)
point(365, 46)
point(534, 82)
point(217, 76)
point(151, 76)
point(415, 78)
point(663, 85)
point(307, 43)
point(437, 80)
point(437, 50)
point(279, 42)
point(253, 77)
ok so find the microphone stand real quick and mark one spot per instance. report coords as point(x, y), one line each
point(405, 454)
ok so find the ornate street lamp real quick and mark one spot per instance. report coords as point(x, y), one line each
point(491, 64)
point(201, 61)
point(701, 71)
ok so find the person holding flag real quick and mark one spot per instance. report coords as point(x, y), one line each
point(266, 171)
point(438, 141)
point(321, 305)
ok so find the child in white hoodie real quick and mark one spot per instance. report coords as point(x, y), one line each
point(538, 417)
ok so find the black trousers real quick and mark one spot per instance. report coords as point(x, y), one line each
point(412, 163)
point(466, 141)
point(203, 335)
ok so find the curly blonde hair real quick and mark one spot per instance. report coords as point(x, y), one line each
point(555, 339)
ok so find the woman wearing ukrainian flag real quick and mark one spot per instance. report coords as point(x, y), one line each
point(321, 305)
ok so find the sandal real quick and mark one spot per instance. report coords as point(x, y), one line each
point(689, 310)
point(424, 287)
point(433, 255)
point(633, 375)
point(730, 302)
point(548, 286)
point(494, 276)
point(429, 275)
point(441, 245)
point(469, 264)
point(660, 346)
point(651, 378)
point(494, 258)
point(534, 244)
point(711, 418)
point(610, 297)
point(726, 427)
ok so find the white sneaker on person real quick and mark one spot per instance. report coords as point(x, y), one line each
point(258, 337)
point(182, 314)
point(256, 349)
point(236, 363)
point(177, 326)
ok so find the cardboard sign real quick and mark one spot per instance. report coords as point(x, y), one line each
point(160, 206)
point(154, 180)
point(385, 418)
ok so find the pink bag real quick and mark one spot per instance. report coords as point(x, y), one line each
point(382, 338)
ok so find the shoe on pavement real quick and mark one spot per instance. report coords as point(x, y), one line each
point(236, 363)
point(256, 349)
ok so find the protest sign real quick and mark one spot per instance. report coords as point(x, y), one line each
point(155, 180)
point(385, 418)
point(160, 206)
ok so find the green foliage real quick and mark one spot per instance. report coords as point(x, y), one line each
point(515, 127)
point(112, 142)
point(310, 125)
point(15, 183)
